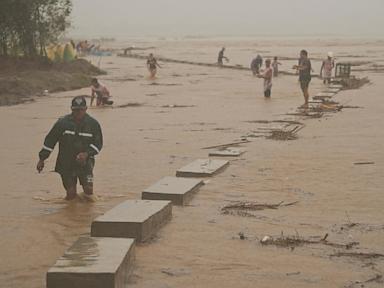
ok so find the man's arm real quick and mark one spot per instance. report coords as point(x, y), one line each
point(49, 144)
point(97, 141)
point(321, 69)
point(93, 94)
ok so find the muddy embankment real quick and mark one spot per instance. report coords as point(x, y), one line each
point(21, 79)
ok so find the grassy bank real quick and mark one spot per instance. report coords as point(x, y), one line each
point(21, 80)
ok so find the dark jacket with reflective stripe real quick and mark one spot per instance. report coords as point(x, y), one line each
point(73, 139)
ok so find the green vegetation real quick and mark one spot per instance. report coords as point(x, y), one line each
point(27, 27)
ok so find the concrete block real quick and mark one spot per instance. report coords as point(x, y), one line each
point(94, 263)
point(325, 94)
point(339, 86)
point(332, 90)
point(202, 168)
point(177, 190)
point(138, 219)
point(228, 152)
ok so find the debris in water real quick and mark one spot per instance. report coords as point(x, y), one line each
point(295, 241)
point(177, 106)
point(176, 272)
point(252, 206)
point(132, 104)
point(364, 163)
point(226, 145)
point(358, 255)
point(378, 278)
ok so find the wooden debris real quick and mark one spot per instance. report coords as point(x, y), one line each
point(295, 241)
point(226, 145)
point(275, 121)
point(306, 113)
point(378, 278)
point(177, 106)
point(132, 104)
point(282, 135)
point(358, 255)
point(253, 206)
point(364, 163)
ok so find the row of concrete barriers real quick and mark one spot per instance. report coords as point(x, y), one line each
point(104, 259)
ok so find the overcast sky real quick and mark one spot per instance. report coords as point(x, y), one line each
point(124, 18)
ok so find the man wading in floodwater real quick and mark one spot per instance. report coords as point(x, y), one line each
point(221, 56)
point(305, 69)
point(152, 66)
point(80, 140)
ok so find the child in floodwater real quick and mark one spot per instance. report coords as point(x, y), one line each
point(267, 76)
point(326, 68)
point(152, 66)
point(101, 93)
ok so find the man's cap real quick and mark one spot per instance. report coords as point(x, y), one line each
point(330, 54)
point(79, 102)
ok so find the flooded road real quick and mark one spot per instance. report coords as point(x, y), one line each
point(160, 128)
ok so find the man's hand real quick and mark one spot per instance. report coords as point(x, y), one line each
point(40, 166)
point(81, 158)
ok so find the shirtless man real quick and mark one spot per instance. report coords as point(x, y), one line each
point(304, 68)
point(101, 93)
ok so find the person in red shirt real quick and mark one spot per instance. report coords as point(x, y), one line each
point(101, 93)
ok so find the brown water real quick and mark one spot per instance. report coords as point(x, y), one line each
point(149, 141)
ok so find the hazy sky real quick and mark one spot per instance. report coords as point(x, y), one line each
point(119, 18)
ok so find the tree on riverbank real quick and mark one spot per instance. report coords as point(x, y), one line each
point(27, 27)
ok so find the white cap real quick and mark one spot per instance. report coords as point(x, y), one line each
point(330, 54)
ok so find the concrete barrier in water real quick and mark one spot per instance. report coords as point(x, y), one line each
point(227, 152)
point(94, 263)
point(178, 190)
point(138, 219)
point(202, 168)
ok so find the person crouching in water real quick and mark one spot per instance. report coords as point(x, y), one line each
point(101, 93)
point(80, 140)
point(152, 66)
point(267, 76)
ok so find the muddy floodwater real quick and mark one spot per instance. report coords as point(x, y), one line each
point(332, 174)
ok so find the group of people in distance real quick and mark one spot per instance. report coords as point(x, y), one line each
point(80, 137)
point(101, 93)
point(303, 68)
